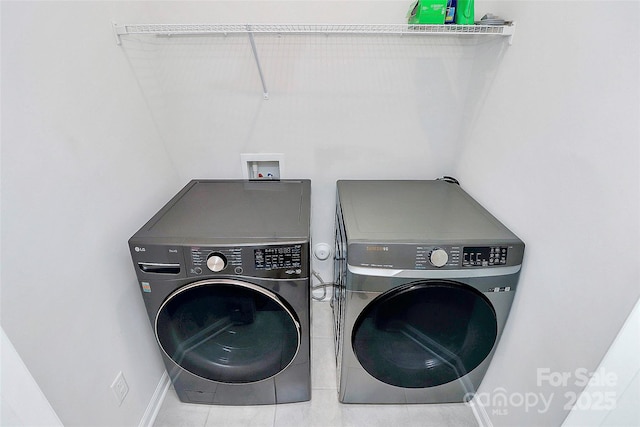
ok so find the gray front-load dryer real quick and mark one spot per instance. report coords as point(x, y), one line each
point(425, 278)
point(223, 269)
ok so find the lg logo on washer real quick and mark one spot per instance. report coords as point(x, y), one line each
point(140, 249)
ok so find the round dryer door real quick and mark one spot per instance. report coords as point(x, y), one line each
point(228, 331)
point(425, 334)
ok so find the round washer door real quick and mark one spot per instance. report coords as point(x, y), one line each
point(425, 334)
point(228, 331)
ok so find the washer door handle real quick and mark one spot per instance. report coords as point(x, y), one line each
point(155, 267)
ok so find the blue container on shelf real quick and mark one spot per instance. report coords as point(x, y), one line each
point(449, 17)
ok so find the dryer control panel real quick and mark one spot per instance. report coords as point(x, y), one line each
point(434, 256)
point(484, 256)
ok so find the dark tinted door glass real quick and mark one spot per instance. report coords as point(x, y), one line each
point(228, 332)
point(425, 334)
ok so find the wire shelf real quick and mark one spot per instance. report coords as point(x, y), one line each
point(364, 29)
point(506, 30)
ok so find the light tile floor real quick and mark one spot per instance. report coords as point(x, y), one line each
point(323, 410)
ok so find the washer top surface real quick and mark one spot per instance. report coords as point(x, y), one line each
point(416, 212)
point(233, 211)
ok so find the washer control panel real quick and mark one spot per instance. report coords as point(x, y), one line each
point(277, 257)
point(269, 261)
point(206, 260)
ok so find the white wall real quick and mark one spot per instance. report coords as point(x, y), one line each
point(544, 133)
point(82, 167)
point(556, 156)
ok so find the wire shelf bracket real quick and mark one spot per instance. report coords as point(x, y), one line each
point(265, 92)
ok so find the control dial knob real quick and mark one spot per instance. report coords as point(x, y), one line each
point(216, 262)
point(438, 257)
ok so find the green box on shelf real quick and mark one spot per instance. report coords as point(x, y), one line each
point(428, 12)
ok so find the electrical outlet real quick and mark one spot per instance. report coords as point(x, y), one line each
point(262, 165)
point(120, 388)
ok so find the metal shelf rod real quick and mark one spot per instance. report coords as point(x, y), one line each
point(265, 91)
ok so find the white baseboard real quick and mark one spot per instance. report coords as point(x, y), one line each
point(155, 403)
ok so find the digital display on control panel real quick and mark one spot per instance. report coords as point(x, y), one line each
point(276, 257)
point(484, 256)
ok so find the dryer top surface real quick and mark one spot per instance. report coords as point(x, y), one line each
point(233, 211)
point(416, 212)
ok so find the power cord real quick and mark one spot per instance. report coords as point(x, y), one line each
point(449, 179)
point(322, 285)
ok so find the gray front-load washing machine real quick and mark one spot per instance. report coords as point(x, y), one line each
point(425, 278)
point(223, 269)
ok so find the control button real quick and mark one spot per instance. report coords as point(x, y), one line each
point(216, 262)
point(238, 270)
point(438, 257)
point(197, 270)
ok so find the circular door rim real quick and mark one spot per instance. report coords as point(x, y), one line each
point(383, 298)
point(247, 285)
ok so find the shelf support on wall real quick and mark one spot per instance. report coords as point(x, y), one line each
point(265, 92)
point(118, 30)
